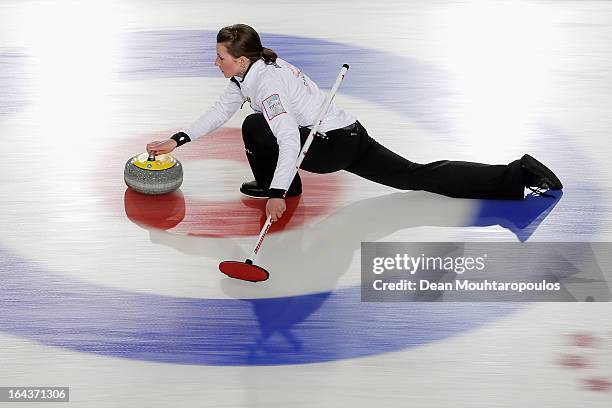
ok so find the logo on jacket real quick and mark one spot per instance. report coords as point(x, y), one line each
point(273, 106)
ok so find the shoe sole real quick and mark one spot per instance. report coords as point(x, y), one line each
point(253, 196)
point(538, 168)
point(262, 197)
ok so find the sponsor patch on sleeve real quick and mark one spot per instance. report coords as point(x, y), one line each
point(273, 106)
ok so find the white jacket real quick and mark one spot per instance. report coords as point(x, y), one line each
point(287, 98)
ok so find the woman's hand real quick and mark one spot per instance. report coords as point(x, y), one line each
point(165, 146)
point(275, 207)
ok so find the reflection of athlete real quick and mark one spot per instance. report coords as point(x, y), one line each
point(287, 101)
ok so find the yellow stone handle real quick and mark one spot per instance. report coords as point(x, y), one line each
point(161, 162)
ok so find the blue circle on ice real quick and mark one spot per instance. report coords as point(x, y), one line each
point(313, 328)
point(63, 312)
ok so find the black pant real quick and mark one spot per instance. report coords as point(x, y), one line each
point(353, 150)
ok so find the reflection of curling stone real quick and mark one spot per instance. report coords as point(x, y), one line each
point(161, 212)
point(153, 175)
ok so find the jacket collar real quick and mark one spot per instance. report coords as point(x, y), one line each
point(249, 68)
point(248, 81)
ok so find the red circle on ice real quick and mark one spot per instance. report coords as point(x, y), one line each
point(184, 215)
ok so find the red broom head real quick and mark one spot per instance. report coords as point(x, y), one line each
point(244, 271)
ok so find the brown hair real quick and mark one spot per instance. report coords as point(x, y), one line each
point(241, 39)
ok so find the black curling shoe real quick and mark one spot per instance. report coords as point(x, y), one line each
point(252, 189)
point(538, 176)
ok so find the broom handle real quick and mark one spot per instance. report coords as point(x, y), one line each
point(301, 156)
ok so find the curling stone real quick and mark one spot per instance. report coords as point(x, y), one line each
point(153, 175)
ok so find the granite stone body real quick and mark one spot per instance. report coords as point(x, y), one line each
point(153, 182)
